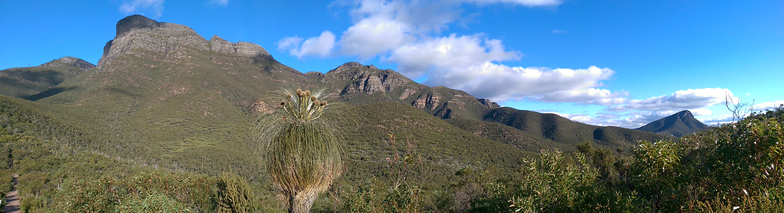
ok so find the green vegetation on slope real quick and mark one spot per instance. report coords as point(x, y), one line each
point(34, 83)
point(564, 131)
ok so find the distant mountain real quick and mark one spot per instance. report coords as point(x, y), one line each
point(678, 125)
point(566, 132)
point(33, 83)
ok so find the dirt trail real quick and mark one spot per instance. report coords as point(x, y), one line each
point(12, 199)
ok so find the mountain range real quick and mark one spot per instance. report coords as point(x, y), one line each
point(161, 94)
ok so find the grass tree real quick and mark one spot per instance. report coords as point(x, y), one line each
point(302, 155)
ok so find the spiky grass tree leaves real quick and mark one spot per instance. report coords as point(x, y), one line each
point(302, 153)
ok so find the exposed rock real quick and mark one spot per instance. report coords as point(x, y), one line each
point(348, 66)
point(408, 92)
point(129, 23)
point(258, 107)
point(69, 61)
point(488, 103)
point(429, 101)
point(244, 49)
point(368, 79)
point(445, 112)
point(142, 36)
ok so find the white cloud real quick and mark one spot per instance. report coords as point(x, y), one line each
point(449, 53)
point(406, 33)
point(289, 43)
point(680, 100)
point(382, 26)
point(768, 105)
point(701, 112)
point(504, 83)
point(716, 120)
point(139, 6)
point(373, 36)
point(317, 46)
point(220, 2)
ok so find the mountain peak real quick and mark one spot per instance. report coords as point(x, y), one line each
point(69, 61)
point(685, 114)
point(351, 65)
point(129, 23)
point(678, 124)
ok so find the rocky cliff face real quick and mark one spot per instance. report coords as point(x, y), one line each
point(243, 49)
point(367, 79)
point(144, 37)
point(488, 103)
point(428, 101)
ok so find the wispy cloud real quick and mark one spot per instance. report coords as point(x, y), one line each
point(142, 7)
point(559, 31)
point(220, 2)
point(679, 100)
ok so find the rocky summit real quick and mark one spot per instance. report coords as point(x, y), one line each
point(141, 36)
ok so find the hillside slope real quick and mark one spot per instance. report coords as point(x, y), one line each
point(33, 83)
point(567, 132)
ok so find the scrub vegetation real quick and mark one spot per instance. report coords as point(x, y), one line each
point(728, 168)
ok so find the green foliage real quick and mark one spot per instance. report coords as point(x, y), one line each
point(551, 183)
point(235, 195)
point(400, 194)
point(656, 173)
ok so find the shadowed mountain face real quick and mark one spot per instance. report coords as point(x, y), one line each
point(34, 83)
point(678, 125)
point(162, 94)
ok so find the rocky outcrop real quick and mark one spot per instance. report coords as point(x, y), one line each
point(144, 37)
point(69, 61)
point(407, 93)
point(488, 103)
point(350, 65)
point(367, 79)
point(258, 107)
point(429, 101)
point(244, 49)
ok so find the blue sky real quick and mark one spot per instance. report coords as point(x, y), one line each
point(621, 63)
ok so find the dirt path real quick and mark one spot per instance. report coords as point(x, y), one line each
point(12, 199)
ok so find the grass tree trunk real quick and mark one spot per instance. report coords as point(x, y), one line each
point(302, 202)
